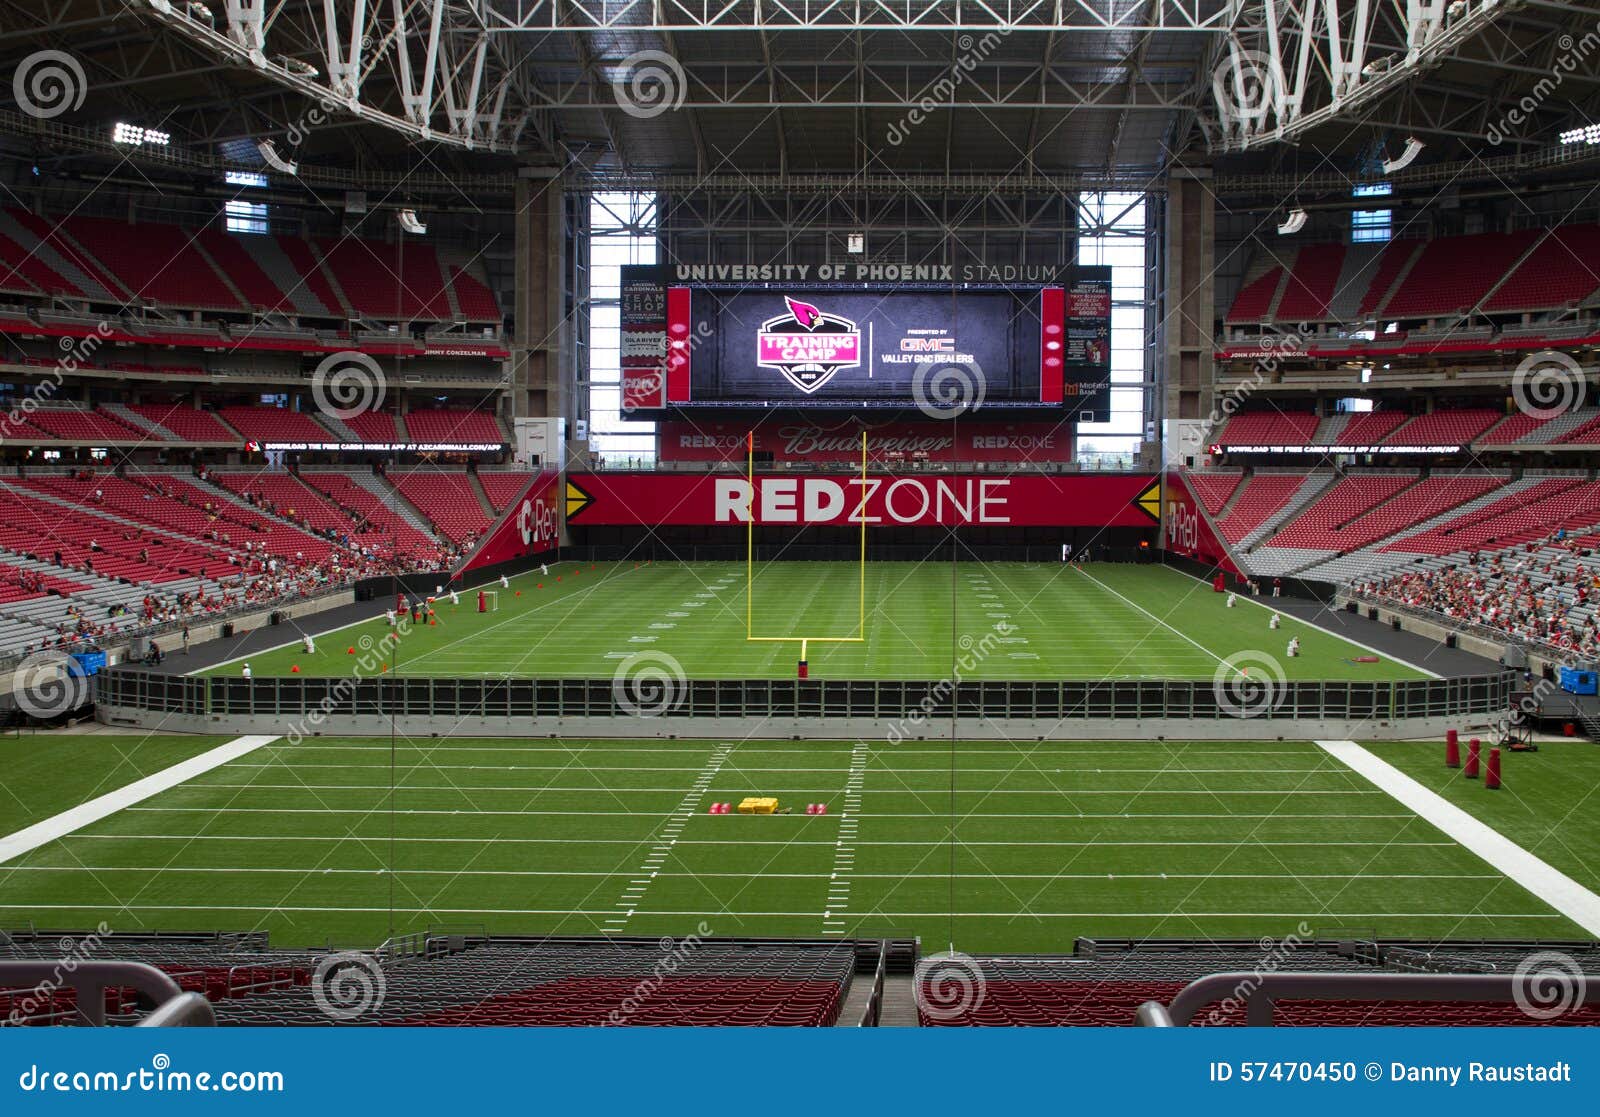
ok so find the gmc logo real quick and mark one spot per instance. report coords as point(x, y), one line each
point(927, 345)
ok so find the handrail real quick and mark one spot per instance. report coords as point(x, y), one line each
point(90, 980)
point(873, 1009)
point(1260, 992)
point(186, 1010)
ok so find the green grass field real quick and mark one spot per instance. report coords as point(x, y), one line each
point(344, 840)
point(1044, 621)
point(993, 846)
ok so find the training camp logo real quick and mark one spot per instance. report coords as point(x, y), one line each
point(808, 345)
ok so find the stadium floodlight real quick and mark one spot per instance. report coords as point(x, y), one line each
point(1413, 148)
point(135, 136)
point(1293, 223)
point(201, 12)
point(856, 243)
point(270, 156)
point(411, 223)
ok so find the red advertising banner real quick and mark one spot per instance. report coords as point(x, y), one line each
point(680, 440)
point(1187, 529)
point(530, 526)
point(1052, 343)
point(977, 500)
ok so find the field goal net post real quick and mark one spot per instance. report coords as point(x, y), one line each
point(804, 640)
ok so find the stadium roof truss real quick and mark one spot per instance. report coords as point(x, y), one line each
point(1099, 87)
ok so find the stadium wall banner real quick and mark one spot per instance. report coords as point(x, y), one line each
point(1187, 528)
point(377, 447)
point(949, 500)
point(531, 525)
point(681, 440)
point(644, 336)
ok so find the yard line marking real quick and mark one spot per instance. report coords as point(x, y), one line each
point(838, 900)
point(652, 814)
point(1050, 791)
point(1545, 881)
point(1388, 914)
point(728, 841)
point(633, 895)
point(103, 806)
point(693, 875)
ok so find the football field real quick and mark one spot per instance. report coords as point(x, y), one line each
point(1010, 621)
point(992, 846)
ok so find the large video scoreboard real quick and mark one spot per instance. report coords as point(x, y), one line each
point(860, 348)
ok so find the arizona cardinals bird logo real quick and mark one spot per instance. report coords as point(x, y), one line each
point(808, 345)
point(804, 313)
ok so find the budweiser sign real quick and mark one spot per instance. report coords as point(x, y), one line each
point(934, 441)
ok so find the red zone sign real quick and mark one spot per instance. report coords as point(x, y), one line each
point(1023, 500)
point(530, 526)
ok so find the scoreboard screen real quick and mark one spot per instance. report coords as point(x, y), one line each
point(892, 348)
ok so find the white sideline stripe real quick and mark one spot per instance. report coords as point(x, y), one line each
point(85, 814)
point(1248, 599)
point(200, 671)
point(1551, 885)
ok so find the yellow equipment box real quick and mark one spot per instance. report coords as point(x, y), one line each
point(754, 805)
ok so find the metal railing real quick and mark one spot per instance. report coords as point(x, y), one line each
point(920, 704)
point(1261, 992)
point(89, 981)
